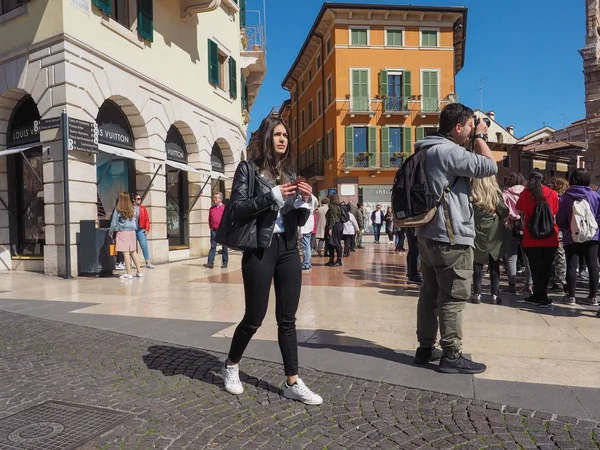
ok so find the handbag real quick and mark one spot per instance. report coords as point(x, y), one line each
point(239, 234)
point(112, 249)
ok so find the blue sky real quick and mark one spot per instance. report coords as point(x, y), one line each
point(526, 50)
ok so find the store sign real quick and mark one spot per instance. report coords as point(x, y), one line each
point(176, 153)
point(83, 136)
point(116, 135)
point(25, 135)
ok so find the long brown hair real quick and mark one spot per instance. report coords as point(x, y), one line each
point(124, 205)
point(262, 151)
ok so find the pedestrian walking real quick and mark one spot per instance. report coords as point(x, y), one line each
point(215, 214)
point(574, 224)
point(377, 218)
point(305, 232)
point(559, 268)
point(322, 227)
point(389, 225)
point(125, 223)
point(446, 242)
point(143, 230)
point(490, 213)
point(360, 218)
point(278, 212)
point(514, 225)
point(350, 230)
point(540, 248)
point(335, 231)
point(354, 211)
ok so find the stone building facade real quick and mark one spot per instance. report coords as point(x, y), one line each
point(591, 70)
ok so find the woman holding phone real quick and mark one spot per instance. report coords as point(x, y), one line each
point(280, 204)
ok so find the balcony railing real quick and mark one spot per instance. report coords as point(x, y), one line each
point(256, 38)
point(372, 160)
point(361, 104)
point(430, 104)
point(396, 104)
point(314, 170)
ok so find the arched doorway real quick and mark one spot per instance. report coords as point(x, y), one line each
point(177, 191)
point(115, 168)
point(25, 181)
point(217, 165)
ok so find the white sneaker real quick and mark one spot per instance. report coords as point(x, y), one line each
point(149, 265)
point(231, 378)
point(120, 266)
point(126, 277)
point(300, 392)
point(139, 275)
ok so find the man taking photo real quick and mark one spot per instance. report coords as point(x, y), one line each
point(446, 242)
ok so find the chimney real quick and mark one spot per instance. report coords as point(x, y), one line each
point(511, 130)
point(492, 115)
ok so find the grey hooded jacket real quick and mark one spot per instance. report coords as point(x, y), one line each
point(444, 162)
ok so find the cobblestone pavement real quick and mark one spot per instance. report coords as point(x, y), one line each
point(176, 399)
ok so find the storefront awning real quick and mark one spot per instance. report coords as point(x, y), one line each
point(182, 166)
point(123, 153)
point(21, 148)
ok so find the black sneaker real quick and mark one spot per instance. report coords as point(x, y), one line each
point(415, 279)
point(424, 355)
point(460, 364)
point(531, 300)
point(224, 266)
point(209, 266)
point(598, 313)
point(338, 264)
point(546, 304)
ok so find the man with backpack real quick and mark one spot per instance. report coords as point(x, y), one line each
point(446, 232)
point(578, 217)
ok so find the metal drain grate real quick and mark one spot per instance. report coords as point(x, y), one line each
point(56, 426)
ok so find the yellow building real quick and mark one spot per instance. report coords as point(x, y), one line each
point(368, 82)
point(157, 95)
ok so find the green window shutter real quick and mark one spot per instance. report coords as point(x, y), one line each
point(145, 23)
point(420, 133)
point(407, 139)
point(213, 62)
point(232, 78)
point(385, 139)
point(242, 13)
point(373, 157)
point(406, 84)
point(244, 92)
point(383, 83)
point(349, 147)
point(104, 5)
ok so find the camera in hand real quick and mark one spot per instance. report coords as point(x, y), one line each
point(485, 119)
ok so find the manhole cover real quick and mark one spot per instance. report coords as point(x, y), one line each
point(56, 426)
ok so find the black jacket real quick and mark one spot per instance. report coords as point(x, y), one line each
point(264, 208)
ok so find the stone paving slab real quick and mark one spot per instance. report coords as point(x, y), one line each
point(176, 397)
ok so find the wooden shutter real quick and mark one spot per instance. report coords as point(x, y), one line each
point(244, 92)
point(145, 23)
point(420, 133)
point(373, 156)
point(232, 78)
point(213, 62)
point(242, 13)
point(385, 139)
point(104, 5)
point(406, 84)
point(407, 139)
point(349, 147)
point(383, 83)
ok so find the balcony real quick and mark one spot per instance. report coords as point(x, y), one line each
point(430, 106)
point(360, 106)
point(396, 106)
point(314, 172)
point(254, 58)
point(372, 160)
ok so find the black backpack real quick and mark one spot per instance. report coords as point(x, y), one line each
point(345, 216)
point(541, 223)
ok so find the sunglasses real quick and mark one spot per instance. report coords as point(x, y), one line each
point(138, 198)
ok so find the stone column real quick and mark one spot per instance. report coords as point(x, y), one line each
point(591, 70)
point(5, 258)
point(198, 217)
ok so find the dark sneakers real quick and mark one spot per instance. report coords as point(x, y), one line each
point(209, 266)
point(460, 364)
point(531, 300)
point(425, 355)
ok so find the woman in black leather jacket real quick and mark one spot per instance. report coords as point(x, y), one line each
point(279, 205)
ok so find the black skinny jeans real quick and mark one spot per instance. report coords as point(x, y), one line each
point(541, 260)
point(259, 269)
point(494, 276)
point(589, 252)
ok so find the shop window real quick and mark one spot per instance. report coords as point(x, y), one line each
point(9, 5)
point(177, 191)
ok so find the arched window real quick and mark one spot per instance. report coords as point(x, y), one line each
point(217, 165)
point(25, 181)
point(177, 191)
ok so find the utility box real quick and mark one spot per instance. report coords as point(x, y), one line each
point(94, 250)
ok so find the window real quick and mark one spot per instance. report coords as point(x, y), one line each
point(360, 90)
point(319, 157)
point(302, 86)
point(329, 148)
point(121, 12)
point(359, 36)
point(429, 38)
point(329, 47)
point(311, 155)
point(499, 137)
point(395, 140)
point(302, 160)
point(295, 128)
point(329, 91)
point(295, 97)
point(394, 94)
point(506, 161)
point(360, 140)
point(394, 38)
point(318, 62)
point(222, 69)
point(310, 75)
point(303, 120)
point(310, 112)
point(9, 5)
point(430, 100)
point(319, 102)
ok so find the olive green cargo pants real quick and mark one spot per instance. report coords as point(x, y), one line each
point(447, 277)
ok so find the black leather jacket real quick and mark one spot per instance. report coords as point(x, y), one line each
point(264, 208)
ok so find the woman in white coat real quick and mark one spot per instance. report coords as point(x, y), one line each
point(321, 225)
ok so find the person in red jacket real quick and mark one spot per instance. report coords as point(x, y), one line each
point(143, 229)
point(540, 252)
point(215, 214)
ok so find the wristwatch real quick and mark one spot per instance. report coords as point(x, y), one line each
point(481, 136)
